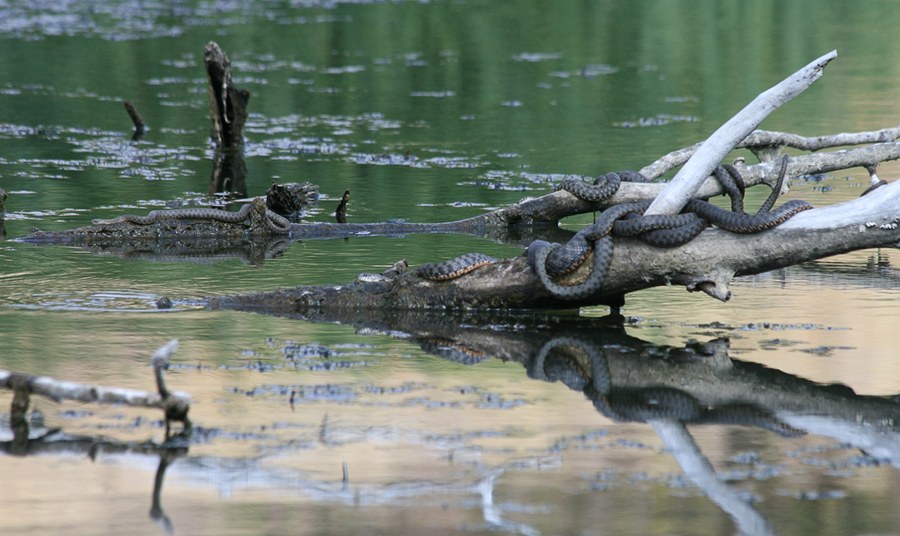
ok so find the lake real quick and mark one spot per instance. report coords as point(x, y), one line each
point(530, 422)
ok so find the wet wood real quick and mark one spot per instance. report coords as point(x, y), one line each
point(174, 404)
point(228, 112)
point(707, 263)
point(227, 104)
point(136, 119)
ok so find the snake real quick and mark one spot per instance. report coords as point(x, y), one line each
point(603, 187)
point(554, 260)
point(275, 222)
point(550, 260)
point(454, 268)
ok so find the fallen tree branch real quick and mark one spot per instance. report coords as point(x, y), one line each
point(545, 210)
point(706, 263)
point(175, 405)
point(759, 139)
point(685, 183)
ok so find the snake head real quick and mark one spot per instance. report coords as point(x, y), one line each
point(533, 250)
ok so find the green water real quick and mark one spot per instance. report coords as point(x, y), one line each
point(427, 111)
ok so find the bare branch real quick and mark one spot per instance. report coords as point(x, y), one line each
point(767, 138)
point(685, 183)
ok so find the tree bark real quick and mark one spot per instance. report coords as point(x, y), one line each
point(228, 112)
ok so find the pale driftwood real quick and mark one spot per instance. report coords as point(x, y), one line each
point(685, 183)
point(550, 208)
point(772, 139)
point(174, 404)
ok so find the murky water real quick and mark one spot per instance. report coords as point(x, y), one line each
point(435, 111)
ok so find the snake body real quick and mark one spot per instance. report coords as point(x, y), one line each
point(603, 187)
point(274, 222)
point(551, 261)
point(444, 271)
point(554, 260)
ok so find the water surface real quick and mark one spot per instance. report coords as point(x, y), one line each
point(433, 111)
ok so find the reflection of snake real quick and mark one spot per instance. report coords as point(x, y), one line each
point(449, 349)
point(443, 271)
point(275, 223)
point(557, 361)
point(551, 260)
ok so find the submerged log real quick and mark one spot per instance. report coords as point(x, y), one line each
point(707, 263)
point(139, 126)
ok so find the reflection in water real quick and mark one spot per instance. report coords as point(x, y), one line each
point(631, 380)
point(623, 377)
point(56, 442)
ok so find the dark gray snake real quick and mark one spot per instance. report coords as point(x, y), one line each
point(627, 220)
point(554, 260)
point(275, 222)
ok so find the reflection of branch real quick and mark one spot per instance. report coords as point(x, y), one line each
point(156, 511)
point(680, 444)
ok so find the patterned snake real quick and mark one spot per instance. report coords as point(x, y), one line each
point(627, 220)
point(553, 260)
point(274, 222)
point(444, 271)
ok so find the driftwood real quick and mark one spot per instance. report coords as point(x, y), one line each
point(228, 112)
point(175, 405)
point(707, 263)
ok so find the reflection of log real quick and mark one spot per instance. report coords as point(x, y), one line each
point(612, 368)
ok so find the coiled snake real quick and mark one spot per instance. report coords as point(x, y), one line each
point(550, 261)
point(553, 260)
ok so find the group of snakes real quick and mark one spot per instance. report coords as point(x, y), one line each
point(551, 261)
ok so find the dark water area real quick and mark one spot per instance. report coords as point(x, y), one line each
point(774, 413)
